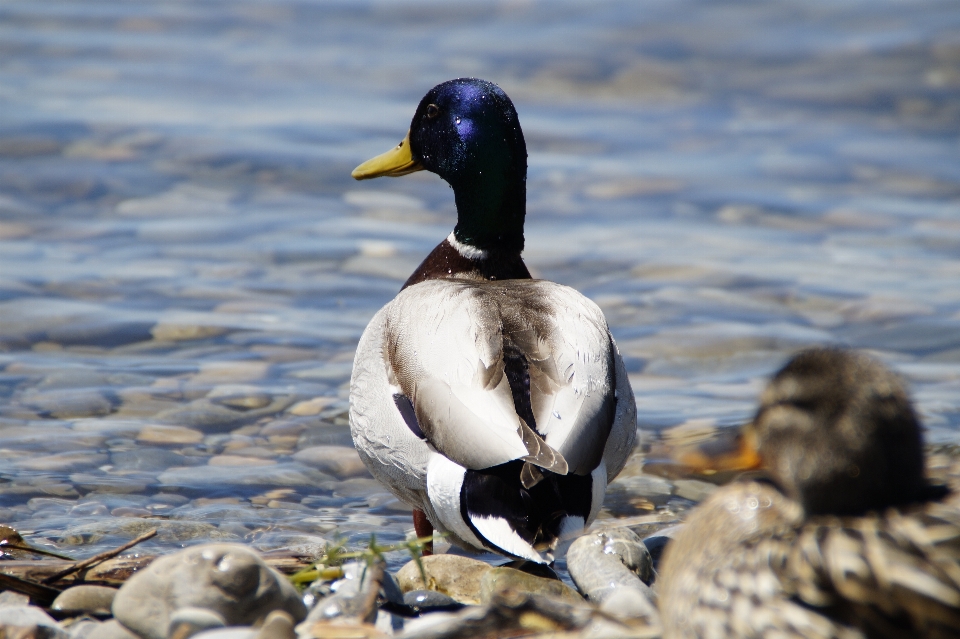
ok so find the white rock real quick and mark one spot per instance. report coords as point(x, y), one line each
point(228, 579)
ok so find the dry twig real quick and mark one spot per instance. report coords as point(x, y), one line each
point(96, 559)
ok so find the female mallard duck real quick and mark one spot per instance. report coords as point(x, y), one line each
point(494, 404)
point(848, 541)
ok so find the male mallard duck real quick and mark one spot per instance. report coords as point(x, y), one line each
point(848, 541)
point(496, 405)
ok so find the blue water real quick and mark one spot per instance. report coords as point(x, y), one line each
point(730, 181)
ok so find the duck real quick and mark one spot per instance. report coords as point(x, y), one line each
point(496, 405)
point(835, 532)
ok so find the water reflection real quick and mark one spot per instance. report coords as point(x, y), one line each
point(186, 264)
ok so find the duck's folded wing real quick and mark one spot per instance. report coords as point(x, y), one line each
point(444, 351)
point(572, 363)
point(450, 343)
point(901, 569)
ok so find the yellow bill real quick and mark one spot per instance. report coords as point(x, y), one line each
point(394, 163)
point(744, 457)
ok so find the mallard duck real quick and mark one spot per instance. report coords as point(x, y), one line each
point(494, 404)
point(846, 538)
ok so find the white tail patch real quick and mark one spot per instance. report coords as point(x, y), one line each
point(499, 533)
point(444, 484)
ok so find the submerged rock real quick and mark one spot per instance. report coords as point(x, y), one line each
point(228, 579)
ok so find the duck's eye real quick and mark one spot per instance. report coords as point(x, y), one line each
point(432, 111)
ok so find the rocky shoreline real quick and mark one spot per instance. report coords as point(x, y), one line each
point(229, 591)
point(605, 587)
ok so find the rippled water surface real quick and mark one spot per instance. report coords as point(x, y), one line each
point(186, 265)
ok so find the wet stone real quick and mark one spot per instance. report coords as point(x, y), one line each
point(604, 563)
point(351, 593)
point(500, 579)
point(158, 434)
point(212, 417)
point(185, 332)
point(228, 579)
point(239, 460)
point(431, 601)
point(105, 483)
point(310, 407)
point(63, 462)
point(693, 489)
point(340, 461)
point(239, 397)
point(66, 404)
point(148, 459)
point(654, 489)
point(284, 475)
point(455, 576)
point(655, 546)
point(85, 599)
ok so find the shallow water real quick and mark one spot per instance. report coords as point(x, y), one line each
point(186, 265)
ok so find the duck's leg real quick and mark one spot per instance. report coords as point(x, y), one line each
point(423, 528)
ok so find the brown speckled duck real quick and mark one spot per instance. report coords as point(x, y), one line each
point(846, 540)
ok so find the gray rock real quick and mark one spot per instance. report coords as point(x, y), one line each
point(340, 461)
point(657, 542)
point(288, 475)
point(350, 595)
point(627, 603)
point(227, 633)
point(604, 563)
point(277, 625)
point(9, 598)
point(456, 576)
point(85, 598)
point(62, 462)
point(655, 489)
point(29, 617)
point(239, 397)
point(229, 579)
point(111, 629)
point(693, 489)
point(211, 416)
point(504, 578)
point(64, 404)
point(145, 458)
point(82, 629)
point(430, 600)
point(389, 623)
point(189, 621)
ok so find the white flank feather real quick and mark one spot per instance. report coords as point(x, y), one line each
point(444, 483)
